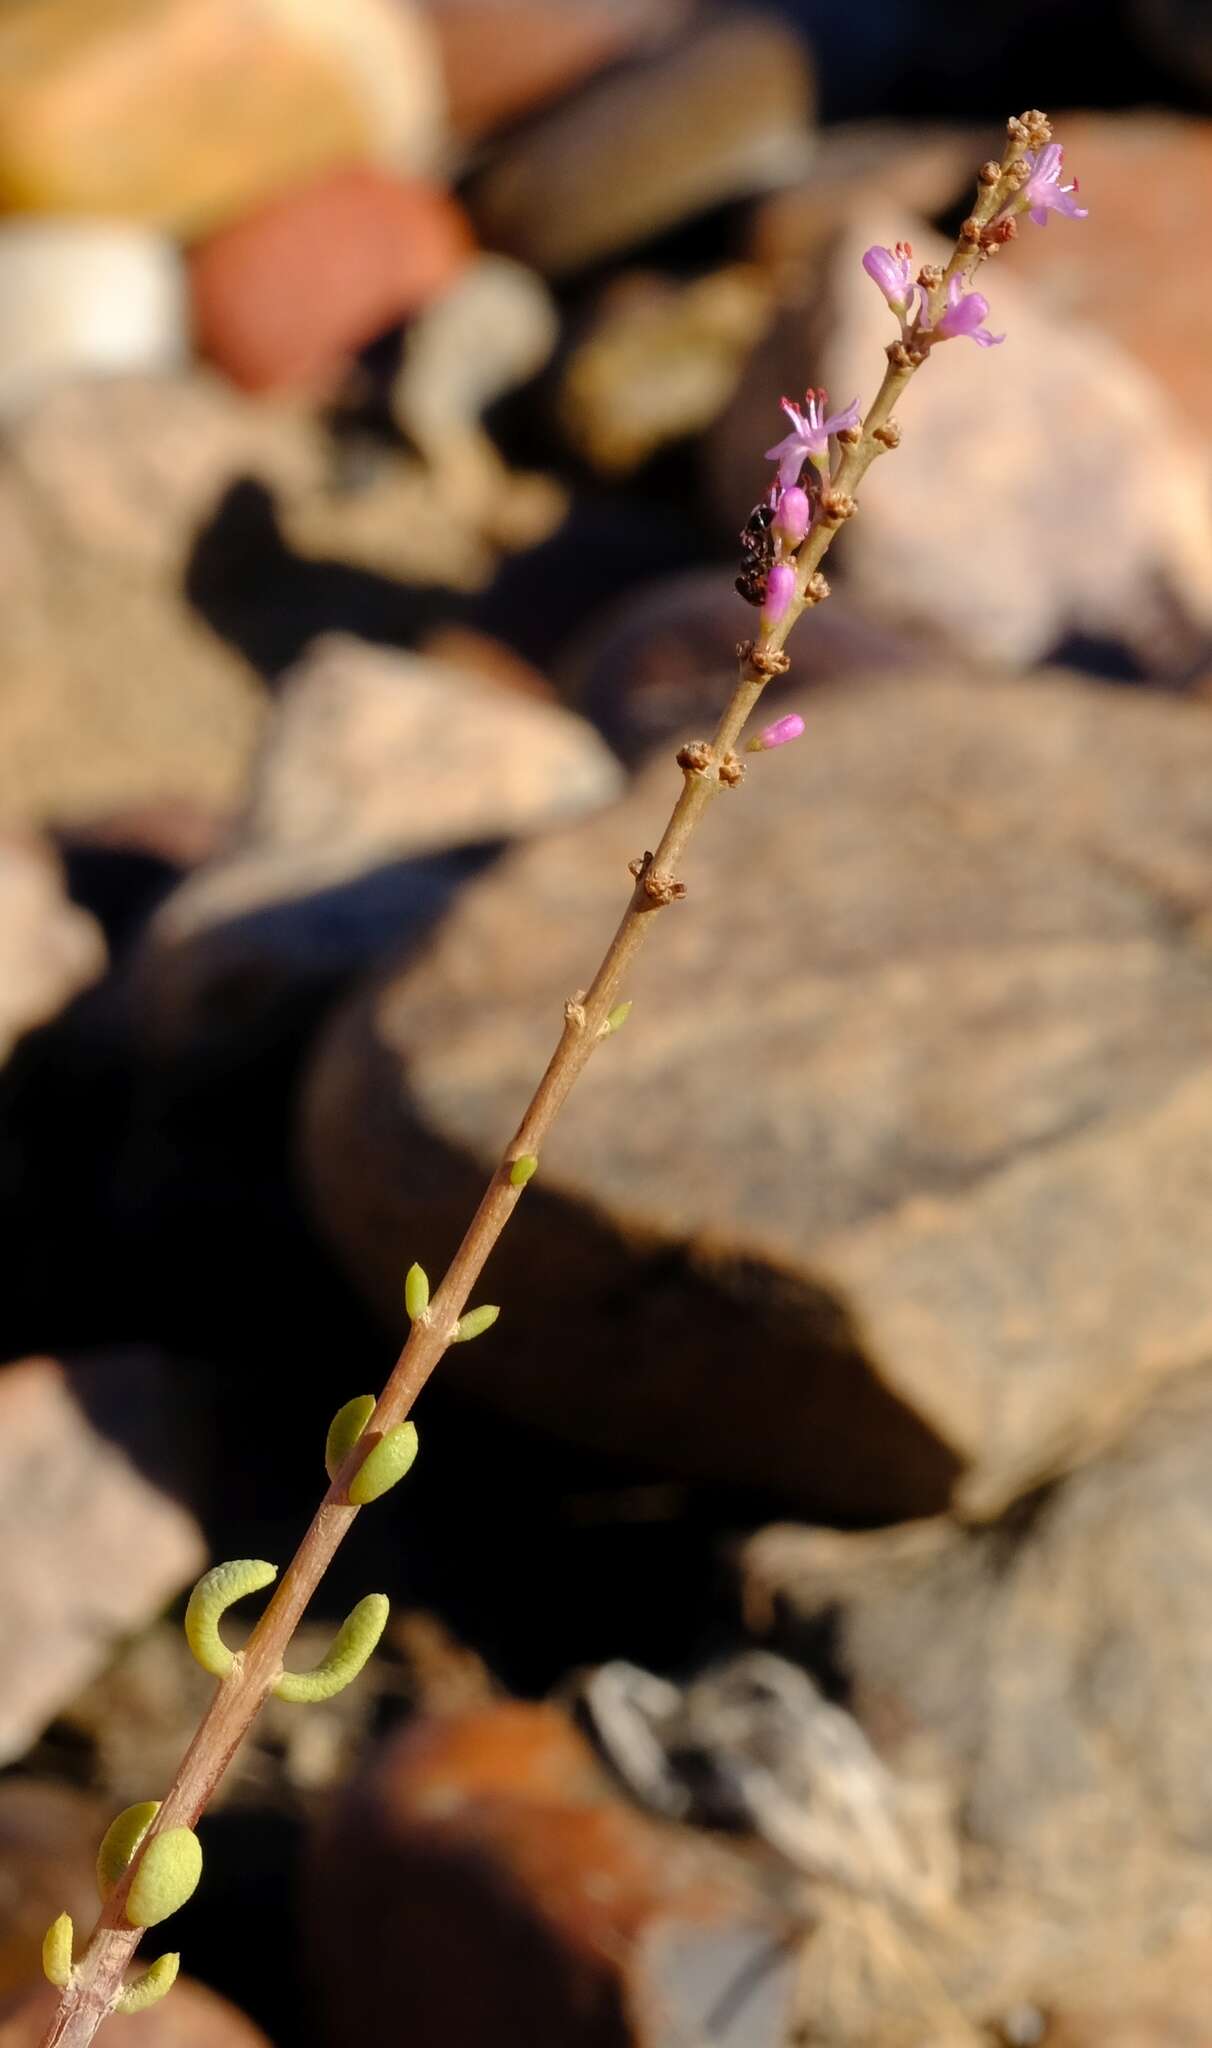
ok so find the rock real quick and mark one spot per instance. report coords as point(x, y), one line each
point(491, 332)
point(193, 2016)
point(501, 59)
point(285, 296)
point(1122, 161)
point(187, 114)
point(719, 114)
point(373, 760)
point(1057, 1666)
point(49, 950)
point(89, 298)
point(1059, 402)
point(858, 166)
point(657, 663)
point(660, 360)
point(93, 1455)
point(48, 1842)
point(494, 1835)
point(929, 1038)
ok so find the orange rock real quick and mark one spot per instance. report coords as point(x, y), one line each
point(286, 296)
point(185, 112)
point(485, 1881)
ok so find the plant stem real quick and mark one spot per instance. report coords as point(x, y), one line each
point(239, 1697)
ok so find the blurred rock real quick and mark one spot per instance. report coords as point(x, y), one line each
point(48, 1848)
point(659, 663)
point(93, 1457)
point(1057, 1666)
point(85, 298)
point(494, 1835)
point(285, 296)
point(478, 654)
point(372, 759)
point(193, 2016)
point(49, 950)
point(1148, 180)
point(1021, 474)
point(491, 332)
point(660, 360)
point(502, 59)
point(858, 167)
point(914, 1121)
point(187, 113)
point(719, 114)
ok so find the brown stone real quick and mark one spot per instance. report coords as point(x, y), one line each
point(1021, 472)
point(187, 113)
point(502, 59)
point(372, 759)
point(494, 1835)
point(720, 113)
point(93, 1458)
point(285, 296)
point(49, 949)
point(896, 1185)
point(1147, 180)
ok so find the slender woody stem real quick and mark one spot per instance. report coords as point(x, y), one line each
point(96, 1978)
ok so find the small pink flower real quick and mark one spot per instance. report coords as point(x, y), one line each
point(777, 735)
point(780, 589)
point(965, 315)
point(1043, 192)
point(808, 440)
point(892, 270)
point(792, 516)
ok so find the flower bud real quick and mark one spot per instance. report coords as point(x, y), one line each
point(780, 589)
point(778, 734)
point(792, 516)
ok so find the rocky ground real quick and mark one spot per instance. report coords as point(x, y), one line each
point(799, 1622)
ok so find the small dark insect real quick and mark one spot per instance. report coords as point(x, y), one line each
point(757, 554)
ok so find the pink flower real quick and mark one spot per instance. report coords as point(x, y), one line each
point(965, 315)
point(1043, 192)
point(792, 516)
point(892, 270)
point(778, 734)
point(780, 589)
point(808, 440)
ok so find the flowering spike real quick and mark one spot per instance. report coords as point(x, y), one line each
point(167, 1874)
point(780, 589)
point(808, 440)
point(616, 1018)
point(892, 271)
point(215, 1592)
point(475, 1322)
point(57, 1951)
point(1043, 192)
point(778, 734)
point(155, 1983)
point(524, 1168)
point(351, 1648)
point(416, 1293)
point(792, 516)
point(966, 312)
point(120, 1841)
point(344, 1430)
point(384, 1464)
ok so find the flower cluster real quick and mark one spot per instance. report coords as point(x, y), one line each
point(1039, 194)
